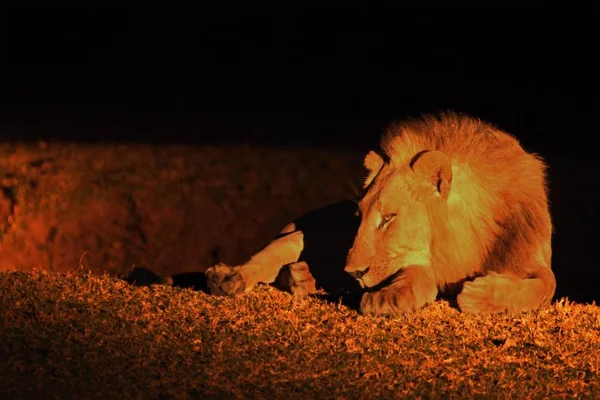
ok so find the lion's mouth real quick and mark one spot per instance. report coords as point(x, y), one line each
point(359, 274)
point(386, 282)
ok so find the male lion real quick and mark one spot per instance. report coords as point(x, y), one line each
point(448, 202)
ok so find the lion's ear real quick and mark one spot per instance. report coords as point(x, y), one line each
point(434, 166)
point(373, 162)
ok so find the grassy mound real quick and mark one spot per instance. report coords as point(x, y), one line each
point(87, 336)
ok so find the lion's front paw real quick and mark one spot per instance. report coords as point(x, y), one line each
point(223, 280)
point(301, 281)
point(388, 301)
point(487, 294)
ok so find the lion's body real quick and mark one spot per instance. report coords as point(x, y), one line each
point(449, 201)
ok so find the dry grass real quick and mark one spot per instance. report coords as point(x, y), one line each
point(87, 336)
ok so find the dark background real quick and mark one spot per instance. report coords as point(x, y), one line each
point(320, 77)
point(321, 74)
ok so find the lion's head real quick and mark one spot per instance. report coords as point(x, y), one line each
point(396, 229)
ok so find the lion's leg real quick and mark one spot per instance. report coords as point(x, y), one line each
point(298, 279)
point(263, 267)
point(494, 292)
point(412, 289)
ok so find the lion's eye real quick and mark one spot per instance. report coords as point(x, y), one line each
point(386, 219)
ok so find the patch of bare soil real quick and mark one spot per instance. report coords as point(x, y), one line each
point(172, 208)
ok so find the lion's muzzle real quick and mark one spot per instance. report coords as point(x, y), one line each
point(358, 274)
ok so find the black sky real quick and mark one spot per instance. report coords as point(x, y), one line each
point(320, 73)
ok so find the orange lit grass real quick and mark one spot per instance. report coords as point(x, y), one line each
point(94, 337)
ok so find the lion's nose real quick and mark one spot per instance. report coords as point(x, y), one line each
point(358, 274)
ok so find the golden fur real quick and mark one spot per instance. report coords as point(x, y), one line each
point(449, 203)
point(464, 200)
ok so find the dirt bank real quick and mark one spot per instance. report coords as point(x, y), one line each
point(172, 208)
